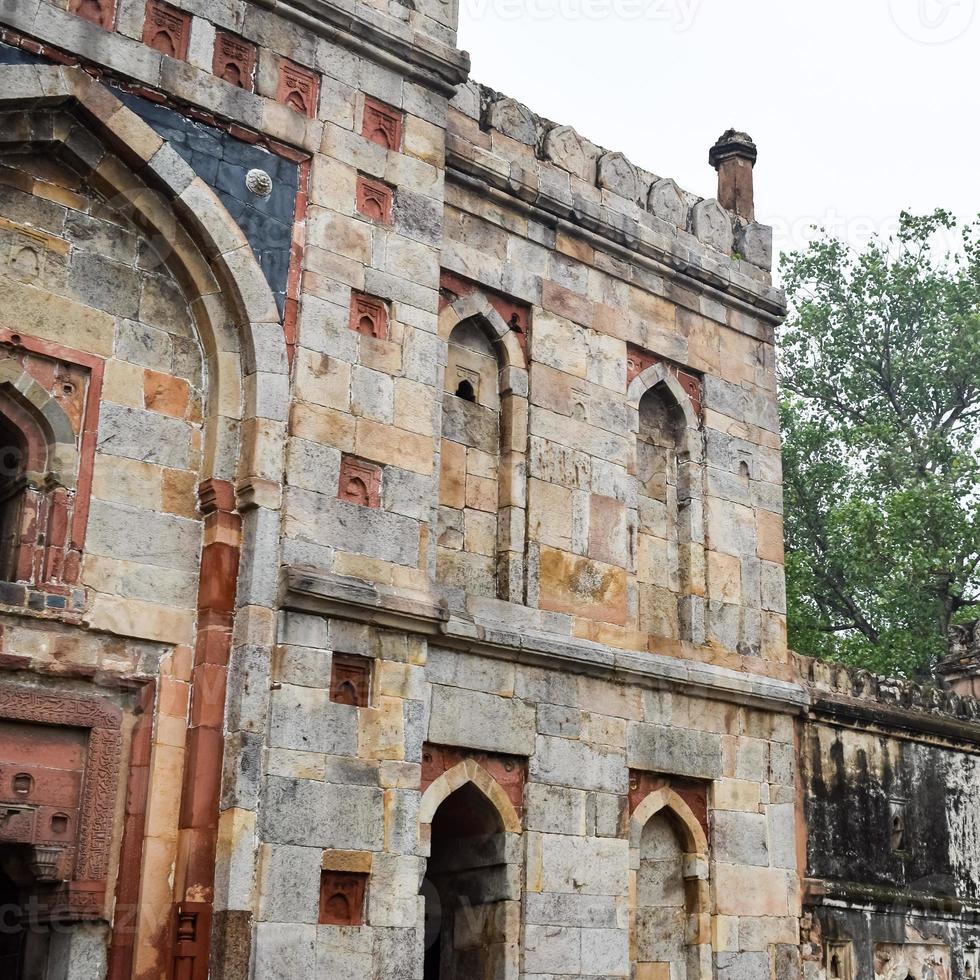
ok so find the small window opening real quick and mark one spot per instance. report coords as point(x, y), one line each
point(466, 391)
point(898, 833)
point(835, 965)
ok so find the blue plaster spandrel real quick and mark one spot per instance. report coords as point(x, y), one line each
point(222, 162)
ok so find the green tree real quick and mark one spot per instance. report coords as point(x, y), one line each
point(880, 405)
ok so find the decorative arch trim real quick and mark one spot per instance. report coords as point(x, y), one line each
point(453, 779)
point(695, 841)
point(475, 305)
point(650, 378)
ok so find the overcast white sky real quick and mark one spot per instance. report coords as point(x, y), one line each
point(860, 108)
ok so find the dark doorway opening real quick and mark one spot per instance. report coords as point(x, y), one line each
point(468, 891)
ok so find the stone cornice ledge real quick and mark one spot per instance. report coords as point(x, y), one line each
point(379, 38)
point(308, 589)
point(619, 231)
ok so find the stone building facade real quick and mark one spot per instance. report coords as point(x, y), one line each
point(391, 543)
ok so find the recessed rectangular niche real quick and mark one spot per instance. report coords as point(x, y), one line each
point(897, 828)
point(971, 963)
point(342, 898)
point(350, 680)
point(838, 961)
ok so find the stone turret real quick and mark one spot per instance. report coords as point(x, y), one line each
point(961, 669)
point(734, 156)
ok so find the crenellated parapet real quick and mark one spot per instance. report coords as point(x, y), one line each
point(501, 141)
point(857, 687)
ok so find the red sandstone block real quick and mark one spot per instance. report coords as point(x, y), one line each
point(298, 87)
point(382, 124)
point(166, 29)
point(360, 482)
point(350, 680)
point(234, 60)
point(369, 316)
point(342, 898)
point(101, 12)
point(374, 199)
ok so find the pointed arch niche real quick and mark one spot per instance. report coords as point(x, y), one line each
point(469, 831)
point(667, 466)
point(670, 926)
point(482, 486)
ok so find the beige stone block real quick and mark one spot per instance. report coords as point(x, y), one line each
point(356, 861)
point(350, 236)
point(322, 380)
point(147, 620)
point(452, 475)
point(323, 425)
point(386, 444)
point(560, 344)
point(652, 971)
point(582, 587)
point(381, 730)
point(550, 514)
point(770, 529)
point(382, 355)
point(724, 577)
point(741, 890)
point(122, 480)
point(481, 464)
point(424, 141)
point(413, 405)
point(724, 933)
point(737, 794)
point(608, 530)
point(122, 383)
point(37, 313)
point(658, 613)
point(481, 494)
point(479, 532)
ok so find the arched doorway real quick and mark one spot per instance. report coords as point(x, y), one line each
point(471, 889)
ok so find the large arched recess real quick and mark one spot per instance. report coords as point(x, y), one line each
point(64, 111)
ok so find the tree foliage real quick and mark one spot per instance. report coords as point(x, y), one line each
point(880, 404)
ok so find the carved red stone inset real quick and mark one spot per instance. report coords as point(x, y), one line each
point(509, 771)
point(342, 898)
point(234, 60)
point(360, 482)
point(166, 29)
point(638, 360)
point(369, 316)
point(691, 791)
point(298, 87)
point(63, 787)
point(374, 199)
point(101, 12)
point(382, 124)
point(350, 680)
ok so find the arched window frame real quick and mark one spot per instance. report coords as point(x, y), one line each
point(471, 772)
point(690, 494)
point(512, 388)
point(47, 497)
point(695, 872)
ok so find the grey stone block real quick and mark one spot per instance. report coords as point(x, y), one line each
point(566, 762)
point(305, 719)
point(322, 815)
point(740, 838)
point(132, 534)
point(481, 721)
point(659, 748)
point(284, 951)
point(289, 883)
point(146, 436)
